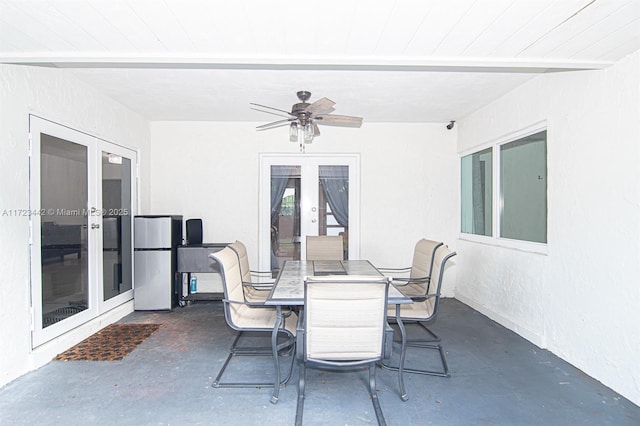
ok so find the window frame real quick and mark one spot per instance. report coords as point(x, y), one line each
point(496, 203)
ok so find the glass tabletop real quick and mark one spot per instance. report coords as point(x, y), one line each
point(289, 286)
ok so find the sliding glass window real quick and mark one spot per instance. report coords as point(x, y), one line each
point(515, 201)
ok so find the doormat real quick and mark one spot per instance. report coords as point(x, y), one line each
point(112, 343)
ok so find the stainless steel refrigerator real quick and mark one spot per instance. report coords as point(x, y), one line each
point(156, 241)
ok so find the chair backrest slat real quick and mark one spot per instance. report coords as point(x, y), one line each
point(231, 281)
point(423, 256)
point(345, 317)
point(243, 259)
point(325, 247)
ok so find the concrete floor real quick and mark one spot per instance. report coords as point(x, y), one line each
point(497, 378)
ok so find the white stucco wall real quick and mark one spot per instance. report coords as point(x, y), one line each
point(57, 96)
point(409, 181)
point(581, 299)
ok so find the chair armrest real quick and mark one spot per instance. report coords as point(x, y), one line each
point(247, 303)
point(262, 276)
point(262, 279)
point(233, 301)
point(400, 281)
point(425, 297)
point(394, 270)
point(258, 286)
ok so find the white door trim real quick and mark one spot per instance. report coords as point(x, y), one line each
point(309, 163)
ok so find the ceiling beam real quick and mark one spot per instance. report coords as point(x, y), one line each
point(441, 64)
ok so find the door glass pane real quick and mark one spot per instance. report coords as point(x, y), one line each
point(285, 215)
point(333, 212)
point(63, 201)
point(116, 225)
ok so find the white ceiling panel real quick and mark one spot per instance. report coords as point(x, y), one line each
point(127, 23)
point(539, 25)
point(400, 27)
point(13, 39)
point(487, 39)
point(29, 36)
point(608, 34)
point(437, 27)
point(366, 28)
point(470, 26)
point(266, 36)
point(614, 46)
point(402, 60)
point(505, 27)
point(199, 23)
point(331, 33)
point(88, 19)
point(53, 21)
point(162, 23)
point(583, 28)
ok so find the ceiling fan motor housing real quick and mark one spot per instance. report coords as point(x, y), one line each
point(299, 110)
point(303, 95)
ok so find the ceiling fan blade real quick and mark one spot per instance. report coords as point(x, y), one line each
point(316, 130)
point(275, 124)
point(321, 105)
point(276, 109)
point(339, 120)
point(269, 112)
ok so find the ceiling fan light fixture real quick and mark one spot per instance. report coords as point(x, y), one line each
point(308, 132)
point(293, 132)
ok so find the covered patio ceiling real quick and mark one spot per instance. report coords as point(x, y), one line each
point(400, 61)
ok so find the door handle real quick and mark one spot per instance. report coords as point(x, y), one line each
point(95, 225)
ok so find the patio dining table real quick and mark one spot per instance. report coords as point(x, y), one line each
point(288, 291)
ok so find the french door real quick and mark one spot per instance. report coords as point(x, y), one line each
point(82, 193)
point(304, 195)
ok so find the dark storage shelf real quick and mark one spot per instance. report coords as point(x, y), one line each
point(203, 296)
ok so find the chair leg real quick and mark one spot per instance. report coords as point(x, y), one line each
point(301, 383)
point(435, 338)
point(403, 353)
point(427, 344)
point(374, 395)
point(283, 348)
point(236, 350)
point(445, 366)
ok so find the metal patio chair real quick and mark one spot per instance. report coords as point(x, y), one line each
point(342, 327)
point(424, 310)
point(414, 280)
point(244, 317)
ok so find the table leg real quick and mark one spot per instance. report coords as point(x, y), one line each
point(276, 361)
point(403, 348)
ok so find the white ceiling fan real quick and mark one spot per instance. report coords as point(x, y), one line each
point(304, 118)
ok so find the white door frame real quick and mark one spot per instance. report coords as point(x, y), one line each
point(95, 304)
point(309, 171)
point(105, 305)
